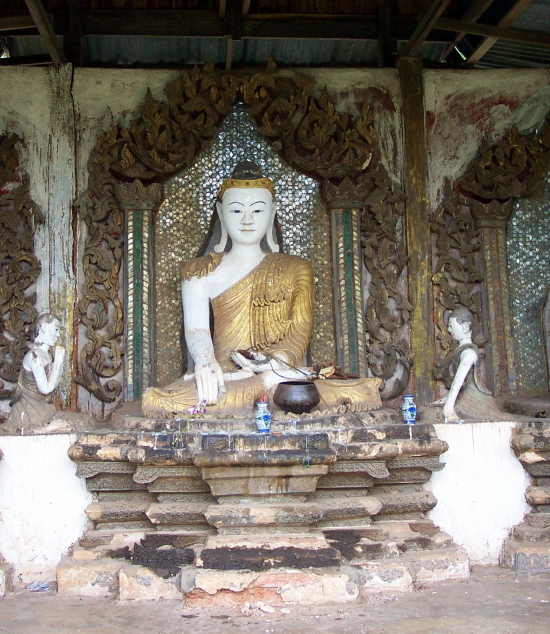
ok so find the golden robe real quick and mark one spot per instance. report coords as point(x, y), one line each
point(270, 310)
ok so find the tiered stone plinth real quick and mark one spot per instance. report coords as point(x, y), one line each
point(319, 510)
point(528, 549)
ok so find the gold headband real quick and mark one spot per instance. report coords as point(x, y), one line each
point(264, 183)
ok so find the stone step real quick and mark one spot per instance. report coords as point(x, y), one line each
point(526, 557)
point(263, 515)
point(536, 495)
point(177, 513)
point(120, 510)
point(538, 520)
point(406, 501)
point(265, 551)
point(527, 533)
point(275, 586)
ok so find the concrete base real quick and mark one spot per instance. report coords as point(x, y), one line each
point(137, 583)
point(96, 578)
point(42, 504)
point(481, 491)
point(202, 588)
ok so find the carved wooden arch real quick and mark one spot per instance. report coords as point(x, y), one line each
point(166, 137)
point(472, 219)
point(19, 266)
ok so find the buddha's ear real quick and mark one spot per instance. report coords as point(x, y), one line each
point(220, 247)
point(270, 234)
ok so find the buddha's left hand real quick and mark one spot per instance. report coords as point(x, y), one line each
point(260, 363)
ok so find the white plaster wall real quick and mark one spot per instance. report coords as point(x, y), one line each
point(42, 503)
point(481, 490)
point(36, 104)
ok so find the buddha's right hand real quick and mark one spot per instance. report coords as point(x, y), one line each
point(210, 383)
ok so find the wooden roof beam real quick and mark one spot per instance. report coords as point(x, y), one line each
point(495, 32)
point(434, 12)
point(27, 60)
point(36, 9)
point(246, 7)
point(19, 22)
point(472, 14)
point(480, 50)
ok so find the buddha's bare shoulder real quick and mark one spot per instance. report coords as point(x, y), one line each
point(201, 266)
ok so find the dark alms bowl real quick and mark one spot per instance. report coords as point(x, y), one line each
point(297, 397)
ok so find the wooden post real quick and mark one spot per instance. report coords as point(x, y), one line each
point(418, 236)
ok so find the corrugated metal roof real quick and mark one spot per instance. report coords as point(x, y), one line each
point(180, 50)
point(161, 50)
point(175, 50)
point(536, 17)
point(506, 54)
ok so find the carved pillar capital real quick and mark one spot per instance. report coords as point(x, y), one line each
point(493, 214)
point(347, 195)
point(138, 196)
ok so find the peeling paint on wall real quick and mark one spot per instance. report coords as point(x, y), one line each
point(464, 107)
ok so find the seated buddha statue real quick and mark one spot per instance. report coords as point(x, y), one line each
point(261, 302)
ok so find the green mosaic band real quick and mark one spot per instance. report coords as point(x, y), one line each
point(350, 320)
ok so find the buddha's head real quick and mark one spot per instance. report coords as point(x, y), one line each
point(246, 207)
point(461, 323)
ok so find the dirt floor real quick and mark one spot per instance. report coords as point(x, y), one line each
point(493, 600)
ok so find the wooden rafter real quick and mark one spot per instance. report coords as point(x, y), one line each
point(38, 14)
point(246, 7)
point(495, 32)
point(434, 12)
point(472, 14)
point(482, 48)
point(207, 23)
point(19, 22)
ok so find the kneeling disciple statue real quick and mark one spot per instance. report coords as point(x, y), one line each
point(261, 302)
point(39, 376)
point(468, 397)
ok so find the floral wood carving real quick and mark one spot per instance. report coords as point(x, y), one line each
point(165, 138)
point(457, 270)
point(515, 167)
point(19, 267)
point(387, 308)
point(482, 197)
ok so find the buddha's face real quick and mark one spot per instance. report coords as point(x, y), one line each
point(247, 214)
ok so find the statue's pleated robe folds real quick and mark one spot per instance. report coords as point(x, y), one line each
point(270, 310)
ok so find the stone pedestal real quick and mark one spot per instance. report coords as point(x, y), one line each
point(528, 549)
point(233, 513)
